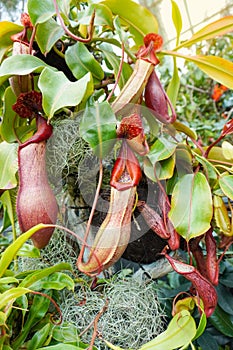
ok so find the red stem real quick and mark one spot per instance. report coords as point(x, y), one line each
point(53, 302)
point(72, 35)
point(32, 39)
point(212, 145)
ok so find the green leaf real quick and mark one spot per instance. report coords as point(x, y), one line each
point(88, 93)
point(3, 318)
point(66, 333)
point(62, 347)
point(111, 346)
point(10, 252)
point(37, 311)
point(120, 31)
point(148, 169)
point(139, 19)
point(215, 67)
point(98, 128)
point(103, 15)
point(225, 300)
point(174, 84)
point(184, 128)
point(206, 342)
point(222, 322)
point(36, 276)
point(58, 91)
point(6, 347)
point(161, 149)
point(227, 149)
point(7, 29)
point(191, 206)
point(12, 294)
point(39, 337)
point(12, 124)
point(218, 154)
point(56, 281)
point(29, 251)
point(227, 279)
point(177, 20)
point(23, 65)
point(220, 27)
point(165, 168)
point(64, 6)
point(47, 34)
point(81, 61)
point(180, 332)
point(183, 160)
point(8, 164)
point(210, 170)
point(40, 11)
point(8, 280)
point(226, 184)
point(9, 117)
point(201, 326)
point(8, 202)
point(114, 61)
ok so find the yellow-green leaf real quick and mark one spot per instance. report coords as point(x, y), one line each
point(139, 19)
point(165, 168)
point(163, 148)
point(10, 252)
point(111, 346)
point(9, 165)
point(217, 154)
point(103, 15)
point(226, 184)
point(7, 29)
point(31, 279)
point(227, 149)
point(220, 27)
point(8, 202)
point(221, 216)
point(179, 333)
point(177, 19)
point(174, 84)
point(215, 67)
point(185, 129)
point(8, 280)
point(12, 294)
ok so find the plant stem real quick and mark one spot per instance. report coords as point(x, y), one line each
point(72, 35)
point(95, 332)
point(92, 209)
